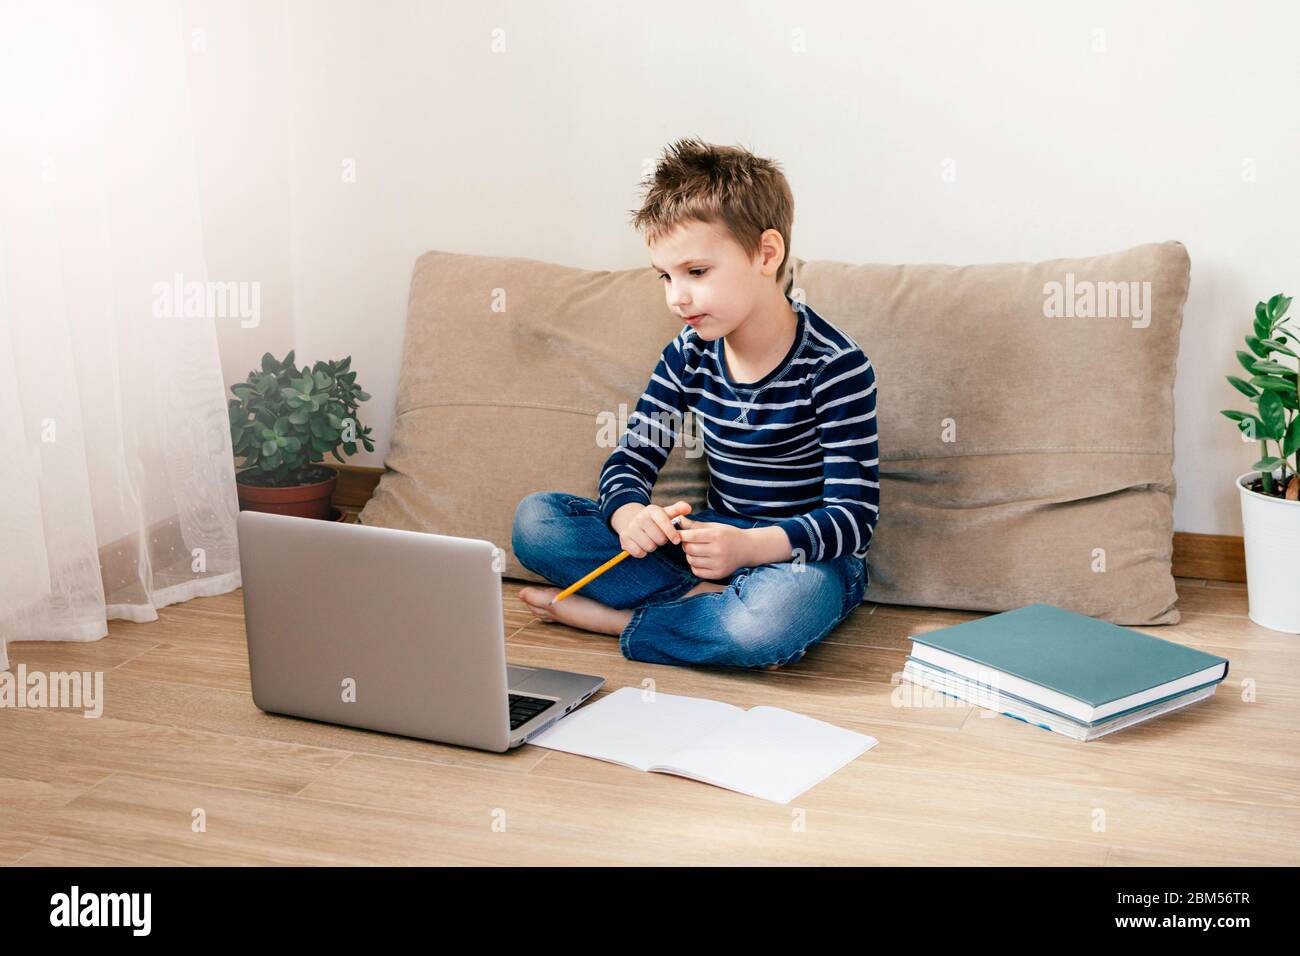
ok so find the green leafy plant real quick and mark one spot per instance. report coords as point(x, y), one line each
point(283, 421)
point(1272, 387)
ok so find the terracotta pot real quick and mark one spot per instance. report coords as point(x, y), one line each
point(301, 501)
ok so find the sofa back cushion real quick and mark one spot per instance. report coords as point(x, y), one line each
point(518, 376)
point(1026, 427)
point(1025, 414)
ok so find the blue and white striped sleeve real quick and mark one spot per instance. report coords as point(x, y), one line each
point(652, 430)
point(844, 398)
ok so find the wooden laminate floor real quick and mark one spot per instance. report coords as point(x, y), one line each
point(946, 784)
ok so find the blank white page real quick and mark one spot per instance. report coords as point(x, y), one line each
point(770, 753)
point(625, 727)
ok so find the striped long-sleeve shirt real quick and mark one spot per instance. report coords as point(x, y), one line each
point(797, 447)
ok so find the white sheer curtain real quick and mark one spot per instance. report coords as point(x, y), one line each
point(117, 491)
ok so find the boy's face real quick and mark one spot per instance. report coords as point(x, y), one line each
point(705, 272)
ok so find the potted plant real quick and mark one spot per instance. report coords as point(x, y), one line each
point(1270, 511)
point(283, 421)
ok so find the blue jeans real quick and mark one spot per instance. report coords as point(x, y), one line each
point(768, 614)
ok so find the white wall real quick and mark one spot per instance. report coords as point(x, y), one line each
point(1066, 142)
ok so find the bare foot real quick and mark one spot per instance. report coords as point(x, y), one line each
point(705, 587)
point(575, 610)
point(584, 612)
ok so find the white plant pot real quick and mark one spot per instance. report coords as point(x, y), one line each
point(1272, 533)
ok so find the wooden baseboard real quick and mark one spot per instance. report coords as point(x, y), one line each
point(1218, 557)
point(356, 485)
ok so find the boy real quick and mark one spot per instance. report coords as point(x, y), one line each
point(787, 406)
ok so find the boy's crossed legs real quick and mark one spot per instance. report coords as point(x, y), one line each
point(590, 615)
point(766, 616)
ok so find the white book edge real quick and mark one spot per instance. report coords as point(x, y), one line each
point(1045, 696)
point(980, 696)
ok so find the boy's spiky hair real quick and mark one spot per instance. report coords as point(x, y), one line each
point(697, 181)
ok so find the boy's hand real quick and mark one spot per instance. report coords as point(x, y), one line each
point(650, 527)
point(714, 549)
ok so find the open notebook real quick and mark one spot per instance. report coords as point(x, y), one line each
point(763, 752)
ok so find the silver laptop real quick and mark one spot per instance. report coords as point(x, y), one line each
point(389, 630)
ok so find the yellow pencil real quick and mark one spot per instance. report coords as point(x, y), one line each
point(588, 578)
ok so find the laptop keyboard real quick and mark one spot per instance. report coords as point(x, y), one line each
point(524, 709)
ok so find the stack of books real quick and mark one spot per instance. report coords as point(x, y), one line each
point(1064, 671)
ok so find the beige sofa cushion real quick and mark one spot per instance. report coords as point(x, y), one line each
point(513, 373)
point(1024, 457)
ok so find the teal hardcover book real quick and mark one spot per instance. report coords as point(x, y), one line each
point(1083, 667)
